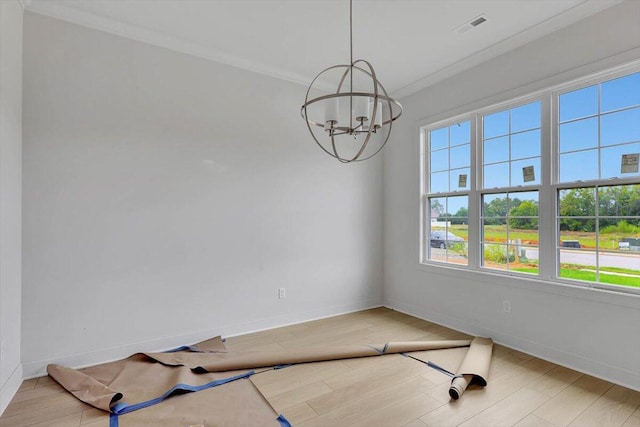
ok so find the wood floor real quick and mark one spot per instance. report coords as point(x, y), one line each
point(393, 390)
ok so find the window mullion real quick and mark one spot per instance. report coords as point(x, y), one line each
point(547, 253)
point(474, 194)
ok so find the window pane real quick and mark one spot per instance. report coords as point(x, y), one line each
point(605, 247)
point(496, 256)
point(496, 150)
point(496, 124)
point(439, 182)
point(461, 133)
point(577, 202)
point(623, 126)
point(620, 93)
point(458, 205)
point(494, 230)
point(582, 165)
point(458, 252)
point(518, 172)
point(611, 162)
point(439, 160)
point(619, 234)
point(579, 103)
point(439, 138)
point(438, 206)
point(494, 205)
point(525, 117)
point(460, 156)
point(577, 264)
point(460, 179)
point(496, 175)
point(619, 200)
point(579, 135)
point(523, 224)
point(448, 229)
point(525, 144)
point(526, 258)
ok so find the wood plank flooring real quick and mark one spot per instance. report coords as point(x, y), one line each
point(387, 391)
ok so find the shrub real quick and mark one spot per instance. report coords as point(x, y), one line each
point(623, 227)
point(498, 254)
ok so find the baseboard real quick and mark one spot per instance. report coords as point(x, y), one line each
point(10, 388)
point(614, 374)
point(37, 368)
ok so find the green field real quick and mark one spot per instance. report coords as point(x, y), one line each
point(497, 233)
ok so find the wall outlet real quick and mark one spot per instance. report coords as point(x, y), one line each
point(282, 293)
point(506, 306)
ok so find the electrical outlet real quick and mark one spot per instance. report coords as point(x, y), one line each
point(506, 306)
point(282, 293)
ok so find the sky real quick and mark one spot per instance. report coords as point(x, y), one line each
point(597, 125)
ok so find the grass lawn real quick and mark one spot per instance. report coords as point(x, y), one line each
point(590, 276)
point(573, 272)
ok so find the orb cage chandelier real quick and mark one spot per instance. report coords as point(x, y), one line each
point(360, 109)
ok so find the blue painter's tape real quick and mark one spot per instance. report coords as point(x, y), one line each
point(283, 421)
point(121, 408)
point(192, 348)
point(440, 368)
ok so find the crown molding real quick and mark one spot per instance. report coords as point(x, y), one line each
point(112, 26)
point(109, 25)
point(575, 14)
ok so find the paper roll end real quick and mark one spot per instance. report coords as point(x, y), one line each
point(454, 393)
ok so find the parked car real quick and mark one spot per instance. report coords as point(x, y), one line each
point(443, 239)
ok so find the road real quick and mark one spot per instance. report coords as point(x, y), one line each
point(629, 260)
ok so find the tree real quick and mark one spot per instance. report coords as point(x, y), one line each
point(577, 202)
point(520, 216)
point(616, 201)
point(495, 211)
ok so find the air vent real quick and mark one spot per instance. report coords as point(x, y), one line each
point(471, 24)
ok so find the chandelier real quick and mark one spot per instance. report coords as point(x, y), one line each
point(353, 121)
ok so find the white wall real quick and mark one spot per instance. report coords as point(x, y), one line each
point(593, 331)
point(10, 197)
point(167, 198)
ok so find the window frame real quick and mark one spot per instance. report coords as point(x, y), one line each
point(548, 188)
point(425, 247)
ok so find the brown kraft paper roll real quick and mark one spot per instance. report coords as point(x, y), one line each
point(474, 368)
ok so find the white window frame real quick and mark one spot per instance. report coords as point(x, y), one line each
point(548, 188)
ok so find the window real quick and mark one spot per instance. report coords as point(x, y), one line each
point(511, 151)
point(511, 147)
point(545, 186)
point(599, 142)
point(510, 231)
point(449, 159)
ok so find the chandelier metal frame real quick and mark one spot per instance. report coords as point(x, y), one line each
point(356, 125)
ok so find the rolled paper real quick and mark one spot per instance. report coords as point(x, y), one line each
point(331, 111)
point(474, 368)
point(459, 385)
point(361, 108)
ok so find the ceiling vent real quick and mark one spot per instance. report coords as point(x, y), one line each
point(478, 20)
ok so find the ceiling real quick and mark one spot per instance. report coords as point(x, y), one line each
point(411, 43)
